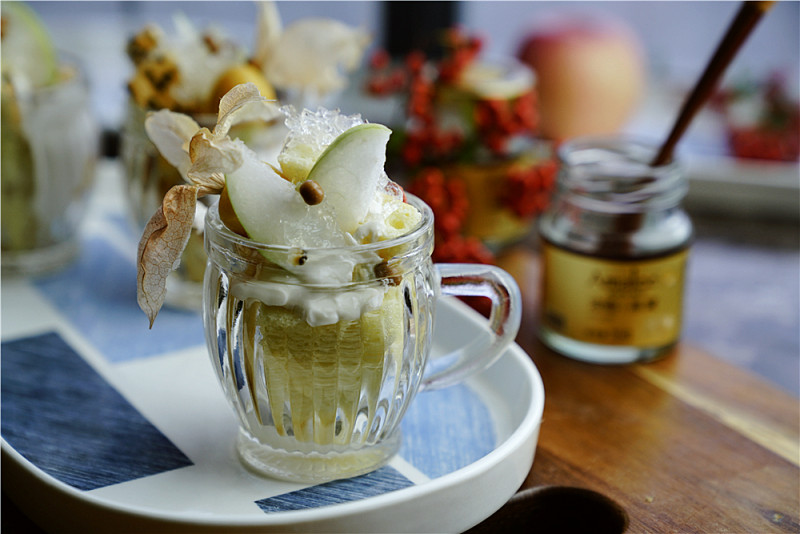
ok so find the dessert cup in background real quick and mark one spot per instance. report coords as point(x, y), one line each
point(467, 144)
point(184, 72)
point(189, 71)
point(49, 149)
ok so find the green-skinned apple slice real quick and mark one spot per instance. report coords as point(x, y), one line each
point(271, 211)
point(349, 171)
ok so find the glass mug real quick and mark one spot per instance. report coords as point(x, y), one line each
point(50, 145)
point(320, 375)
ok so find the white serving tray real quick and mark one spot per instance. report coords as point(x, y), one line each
point(178, 393)
point(110, 427)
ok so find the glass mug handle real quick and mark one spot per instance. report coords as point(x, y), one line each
point(478, 280)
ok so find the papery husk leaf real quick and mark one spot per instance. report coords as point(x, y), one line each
point(160, 248)
point(171, 133)
point(312, 53)
point(244, 103)
point(213, 157)
point(268, 31)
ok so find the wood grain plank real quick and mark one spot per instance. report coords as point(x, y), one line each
point(673, 465)
point(759, 427)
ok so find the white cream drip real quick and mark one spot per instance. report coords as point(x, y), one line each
point(318, 307)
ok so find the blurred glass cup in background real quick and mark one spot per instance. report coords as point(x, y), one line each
point(50, 143)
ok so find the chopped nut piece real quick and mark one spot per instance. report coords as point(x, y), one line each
point(384, 270)
point(211, 43)
point(311, 192)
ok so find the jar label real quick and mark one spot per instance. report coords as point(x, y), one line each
point(613, 302)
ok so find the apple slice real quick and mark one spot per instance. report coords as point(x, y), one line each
point(271, 211)
point(349, 171)
point(268, 207)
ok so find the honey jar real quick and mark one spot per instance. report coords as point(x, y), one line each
point(615, 242)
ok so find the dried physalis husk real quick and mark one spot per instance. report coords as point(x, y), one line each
point(161, 246)
point(312, 54)
point(171, 133)
point(203, 157)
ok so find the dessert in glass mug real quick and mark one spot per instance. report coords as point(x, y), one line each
point(319, 295)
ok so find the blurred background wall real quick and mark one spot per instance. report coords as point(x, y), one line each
point(678, 37)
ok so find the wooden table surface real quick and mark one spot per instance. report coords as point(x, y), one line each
point(688, 443)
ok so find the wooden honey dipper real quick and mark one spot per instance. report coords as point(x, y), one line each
point(746, 19)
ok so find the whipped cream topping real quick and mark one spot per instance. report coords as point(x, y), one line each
point(317, 306)
point(298, 286)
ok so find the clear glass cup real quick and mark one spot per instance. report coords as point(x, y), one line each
point(320, 375)
point(50, 145)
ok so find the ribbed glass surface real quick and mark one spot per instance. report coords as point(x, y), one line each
point(319, 388)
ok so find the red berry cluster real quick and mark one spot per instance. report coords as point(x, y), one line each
point(765, 143)
point(384, 79)
point(462, 249)
point(426, 141)
point(499, 120)
point(527, 189)
point(462, 50)
point(776, 133)
point(447, 198)
point(450, 204)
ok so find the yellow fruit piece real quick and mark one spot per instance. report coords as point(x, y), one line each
point(318, 378)
point(238, 75)
point(297, 163)
point(402, 220)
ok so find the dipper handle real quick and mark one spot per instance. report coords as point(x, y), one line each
point(747, 18)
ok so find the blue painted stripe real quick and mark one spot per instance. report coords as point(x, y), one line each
point(445, 430)
point(378, 482)
point(62, 416)
point(97, 294)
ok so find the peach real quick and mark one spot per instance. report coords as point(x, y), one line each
point(590, 75)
